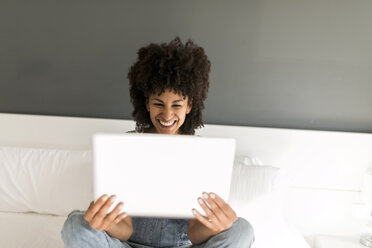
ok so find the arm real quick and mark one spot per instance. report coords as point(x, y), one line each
point(198, 233)
point(122, 230)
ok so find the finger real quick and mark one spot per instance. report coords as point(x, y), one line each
point(116, 221)
point(202, 219)
point(109, 219)
point(120, 217)
point(215, 208)
point(104, 209)
point(228, 211)
point(101, 214)
point(210, 214)
point(94, 208)
point(90, 205)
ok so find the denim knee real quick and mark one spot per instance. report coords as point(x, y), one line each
point(243, 232)
point(72, 228)
point(76, 230)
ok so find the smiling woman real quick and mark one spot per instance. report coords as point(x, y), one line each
point(168, 86)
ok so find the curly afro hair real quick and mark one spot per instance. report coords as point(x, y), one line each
point(181, 68)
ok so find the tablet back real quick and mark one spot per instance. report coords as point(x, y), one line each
point(159, 175)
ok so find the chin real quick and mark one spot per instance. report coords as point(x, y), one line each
point(168, 132)
point(164, 131)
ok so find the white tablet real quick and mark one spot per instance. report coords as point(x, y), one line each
point(157, 175)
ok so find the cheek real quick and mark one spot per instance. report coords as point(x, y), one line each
point(153, 114)
point(182, 115)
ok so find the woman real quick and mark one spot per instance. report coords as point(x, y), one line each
point(168, 86)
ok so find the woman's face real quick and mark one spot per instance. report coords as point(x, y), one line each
point(168, 111)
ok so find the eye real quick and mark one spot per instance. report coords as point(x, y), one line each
point(177, 105)
point(158, 104)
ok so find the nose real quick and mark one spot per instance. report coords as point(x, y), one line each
point(167, 113)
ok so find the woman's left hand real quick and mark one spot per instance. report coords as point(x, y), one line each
point(220, 216)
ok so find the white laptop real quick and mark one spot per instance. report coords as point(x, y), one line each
point(158, 175)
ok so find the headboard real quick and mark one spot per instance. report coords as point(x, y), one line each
point(324, 166)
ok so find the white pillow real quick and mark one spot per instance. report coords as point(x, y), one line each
point(255, 184)
point(44, 180)
point(256, 194)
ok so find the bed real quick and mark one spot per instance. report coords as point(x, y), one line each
point(44, 162)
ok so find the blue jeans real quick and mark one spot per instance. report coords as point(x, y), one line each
point(76, 233)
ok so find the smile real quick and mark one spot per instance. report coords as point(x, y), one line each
point(167, 124)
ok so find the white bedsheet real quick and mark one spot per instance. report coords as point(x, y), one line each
point(284, 238)
point(18, 230)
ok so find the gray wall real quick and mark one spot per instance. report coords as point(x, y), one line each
point(276, 63)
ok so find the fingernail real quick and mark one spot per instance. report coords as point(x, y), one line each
point(125, 215)
point(194, 211)
point(200, 200)
point(113, 198)
point(104, 198)
point(205, 195)
point(212, 195)
point(120, 206)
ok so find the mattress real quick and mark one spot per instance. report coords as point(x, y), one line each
point(30, 230)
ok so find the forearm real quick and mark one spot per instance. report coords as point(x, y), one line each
point(198, 233)
point(121, 231)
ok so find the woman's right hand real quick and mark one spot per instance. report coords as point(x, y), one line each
point(97, 216)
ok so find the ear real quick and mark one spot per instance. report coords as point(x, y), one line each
point(188, 110)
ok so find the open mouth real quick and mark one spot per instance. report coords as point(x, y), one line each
point(167, 124)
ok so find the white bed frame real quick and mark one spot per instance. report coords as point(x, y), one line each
point(326, 167)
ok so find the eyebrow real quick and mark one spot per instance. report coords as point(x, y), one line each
point(179, 100)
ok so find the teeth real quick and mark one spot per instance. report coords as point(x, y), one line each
point(167, 124)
